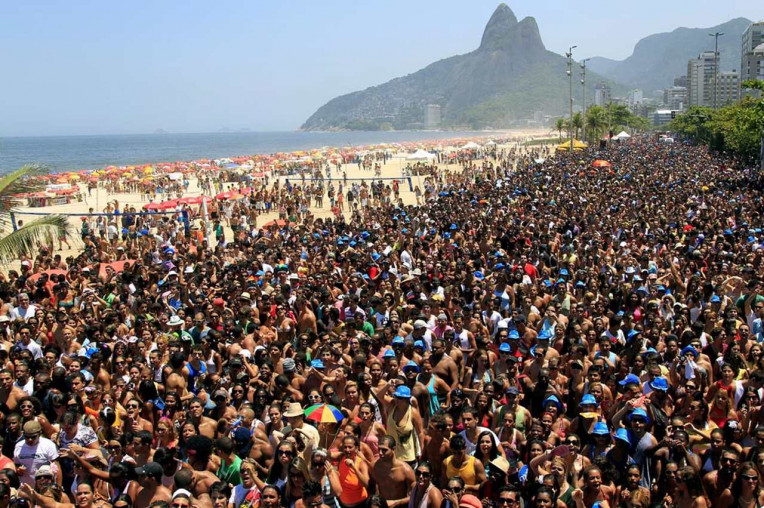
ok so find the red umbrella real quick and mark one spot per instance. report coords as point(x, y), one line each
point(280, 223)
point(117, 266)
point(151, 206)
point(599, 163)
point(195, 200)
point(167, 205)
point(36, 276)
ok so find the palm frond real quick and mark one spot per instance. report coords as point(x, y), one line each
point(14, 181)
point(25, 240)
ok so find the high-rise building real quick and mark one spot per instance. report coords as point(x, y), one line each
point(680, 81)
point(431, 116)
point(602, 95)
point(675, 98)
point(700, 79)
point(752, 52)
point(634, 99)
point(728, 88)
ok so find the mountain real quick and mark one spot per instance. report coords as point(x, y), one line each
point(659, 58)
point(509, 77)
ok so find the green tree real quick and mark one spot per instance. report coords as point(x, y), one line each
point(694, 124)
point(578, 123)
point(560, 125)
point(596, 122)
point(24, 241)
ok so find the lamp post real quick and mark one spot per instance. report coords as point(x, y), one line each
point(716, 36)
point(569, 54)
point(583, 89)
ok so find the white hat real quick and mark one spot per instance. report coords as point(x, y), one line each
point(419, 324)
point(175, 321)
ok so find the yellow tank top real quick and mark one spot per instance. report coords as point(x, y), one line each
point(406, 443)
point(466, 471)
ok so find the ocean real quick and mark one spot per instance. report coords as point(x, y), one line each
point(68, 153)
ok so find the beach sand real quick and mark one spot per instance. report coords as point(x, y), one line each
point(392, 169)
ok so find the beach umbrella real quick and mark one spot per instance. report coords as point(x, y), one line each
point(324, 413)
point(195, 200)
point(599, 163)
point(151, 206)
point(36, 276)
point(280, 223)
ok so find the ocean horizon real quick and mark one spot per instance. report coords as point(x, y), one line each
point(76, 152)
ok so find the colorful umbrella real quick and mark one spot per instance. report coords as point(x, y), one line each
point(323, 413)
point(601, 164)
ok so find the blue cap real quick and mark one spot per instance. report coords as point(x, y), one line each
point(588, 399)
point(365, 234)
point(389, 354)
point(479, 275)
point(547, 283)
point(560, 281)
point(659, 383)
point(453, 227)
point(504, 347)
point(411, 365)
point(554, 400)
point(544, 334)
point(564, 272)
point(499, 266)
point(716, 299)
point(398, 340)
point(317, 364)
point(631, 378)
point(600, 429)
point(419, 343)
point(402, 392)
point(641, 289)
point(514, 334)
point(242, 434)
point(623, 435)
point(639, 413)
point(375, 256)
point(689, 349)
point(661, 287)
point(580, 284)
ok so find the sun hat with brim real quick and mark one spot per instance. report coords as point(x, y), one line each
point(175, 321)
point(631, 378)
point(294, 410)
point(659, 383)
point(501, 464)
point(402, 392)
point(600, 429)
point(411, 366)
point(691, 350)
point(623, 435)
point(588, 400)
point(554, 400)
point(639, 413)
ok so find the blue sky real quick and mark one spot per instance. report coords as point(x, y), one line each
point(94, 67)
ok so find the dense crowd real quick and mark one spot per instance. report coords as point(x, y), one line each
point(539, 333)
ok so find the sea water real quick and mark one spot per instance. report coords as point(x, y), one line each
point(70, 153)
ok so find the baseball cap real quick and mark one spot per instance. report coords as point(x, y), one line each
point(32, 427)
point(659, 383)
point(419, 324)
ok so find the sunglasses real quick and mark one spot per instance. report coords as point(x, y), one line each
point(422, 474)
point(506, 500)
point(750, 478)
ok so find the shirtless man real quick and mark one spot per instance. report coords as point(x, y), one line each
point(394, 477)
point(153, 490)
point(306, 319)
point(436, 444)
point(10, 394)
point(206, 425)
point(175, 381)
point(442, 365)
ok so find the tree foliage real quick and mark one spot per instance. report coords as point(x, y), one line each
point(735, 128)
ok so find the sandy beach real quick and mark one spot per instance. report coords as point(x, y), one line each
point(99, 198)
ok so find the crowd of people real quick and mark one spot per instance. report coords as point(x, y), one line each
point(538, 333)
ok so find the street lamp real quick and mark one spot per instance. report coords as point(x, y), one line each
point(583, 88)
point(716, 36)
point(569, 54)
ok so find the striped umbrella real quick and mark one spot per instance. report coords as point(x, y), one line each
point(323, 413)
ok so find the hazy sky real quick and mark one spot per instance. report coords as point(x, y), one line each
point(95, 67)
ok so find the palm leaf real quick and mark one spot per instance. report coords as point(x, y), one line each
point(25, 240)
point(17, 182)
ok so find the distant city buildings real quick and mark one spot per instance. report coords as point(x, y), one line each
point(602, 95)
point(728, 88)
point(663, 116)
point(700, 79)
point(681, 81)
point(752, 52)
point(675, 97)
point(634, 100)
point(431, 116)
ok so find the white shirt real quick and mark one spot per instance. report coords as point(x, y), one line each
point(25, 314)
point(32, 347)
point(34, 457)
point(471, 447)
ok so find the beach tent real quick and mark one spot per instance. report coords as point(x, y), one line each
point(622, 135)
point(471, 146)
point(490, 142)
point(577, 145)
point(421, 155)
